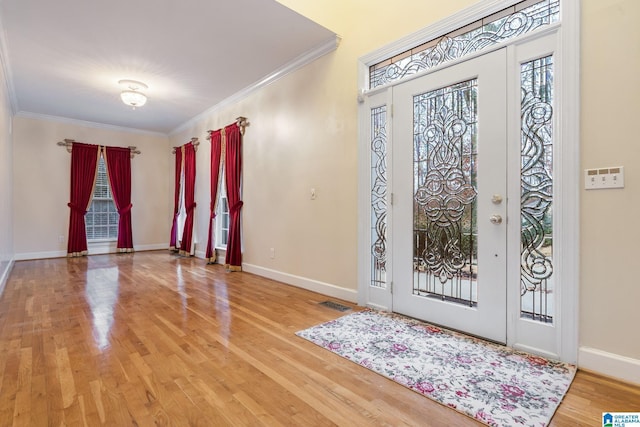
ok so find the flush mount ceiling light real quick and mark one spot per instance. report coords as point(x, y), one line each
point(132, 95)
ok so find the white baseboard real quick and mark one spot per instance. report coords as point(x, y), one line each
point(612, 365)
point(220, 254)
point(203, 255)
point(102, 248)
point(154, 247)
point(40, 255)
point(200, 254)
point(97, 249)
point(328, 289)
point(4, 276)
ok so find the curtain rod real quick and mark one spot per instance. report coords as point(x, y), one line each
point(69, 142)
point(242, 124)
point(194, 141)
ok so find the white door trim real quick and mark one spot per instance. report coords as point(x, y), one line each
point(567, 162)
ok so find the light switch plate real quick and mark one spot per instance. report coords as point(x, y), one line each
point(616, 177)
point(604, 178)
point(591, 179)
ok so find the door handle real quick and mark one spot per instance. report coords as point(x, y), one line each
point(495, 219)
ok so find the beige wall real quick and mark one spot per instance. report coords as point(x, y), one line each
point(42, 179)
point(298, 139)
point(610, 286)
point(303, 134)
point(6, 181)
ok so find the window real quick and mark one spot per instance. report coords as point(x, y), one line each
point(379, 197)
point(536, 174)
point(102, 217)
point(182, 211)
point(522, 17)
point(222, 216)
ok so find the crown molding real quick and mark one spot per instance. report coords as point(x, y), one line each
point(6, 70)
point(437, 29)
point(94, 125)
point(297, 63)
point(290, 67)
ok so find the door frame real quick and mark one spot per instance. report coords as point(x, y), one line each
point(566, 163)
point(488, 318)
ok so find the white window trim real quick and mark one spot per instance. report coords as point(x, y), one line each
point(567, 176)
point(219, 215)
point(222, 192)
point(100, 242)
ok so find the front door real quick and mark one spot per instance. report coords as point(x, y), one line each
point(449, 164)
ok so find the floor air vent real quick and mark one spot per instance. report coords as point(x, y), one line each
point(335, 305)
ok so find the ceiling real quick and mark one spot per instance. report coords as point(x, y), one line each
point(64, 58)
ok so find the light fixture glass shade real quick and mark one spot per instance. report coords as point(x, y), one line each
point(133, 98)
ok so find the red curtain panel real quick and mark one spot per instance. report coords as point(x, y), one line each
point(216, 153)
point(189, 195)
point(233, 175)
point(118, 161)
point(84, 166)
point(176, 201)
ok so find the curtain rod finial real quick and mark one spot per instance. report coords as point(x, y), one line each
point(134, 151)
point(66, 143)
point(242, 123)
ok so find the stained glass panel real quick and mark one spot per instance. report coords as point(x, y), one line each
point(445, 168)
point(507, 24)
point(536, 175)
point(379, 196)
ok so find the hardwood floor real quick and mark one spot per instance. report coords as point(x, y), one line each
point(153, 339)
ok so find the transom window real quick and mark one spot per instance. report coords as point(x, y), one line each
point(506, 24)
point(102, 217)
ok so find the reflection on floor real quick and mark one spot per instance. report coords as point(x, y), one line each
point(153, 339)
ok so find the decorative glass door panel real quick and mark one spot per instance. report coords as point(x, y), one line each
point(449, 181)
point(379, 197)
point(536, 176)
point(445, 205)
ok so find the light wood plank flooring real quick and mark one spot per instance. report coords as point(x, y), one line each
point(152, 339)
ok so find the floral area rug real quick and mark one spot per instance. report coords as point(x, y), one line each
point(491, 383)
